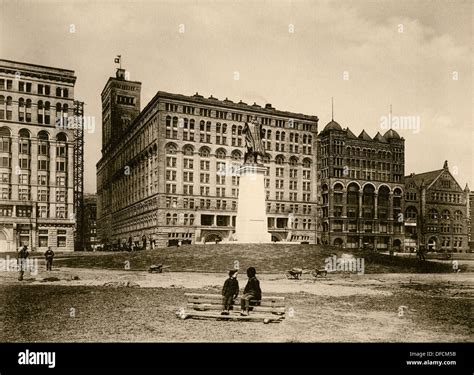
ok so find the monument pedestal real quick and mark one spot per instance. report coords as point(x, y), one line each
point(251, 223)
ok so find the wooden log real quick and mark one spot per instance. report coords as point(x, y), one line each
point(256, 317)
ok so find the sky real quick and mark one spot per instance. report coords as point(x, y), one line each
point(416, 56)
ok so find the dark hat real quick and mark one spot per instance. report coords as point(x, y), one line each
point(232, 272)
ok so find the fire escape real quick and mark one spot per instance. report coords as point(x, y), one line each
point(78, 175)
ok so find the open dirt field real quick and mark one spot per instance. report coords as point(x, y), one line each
point(340, 308)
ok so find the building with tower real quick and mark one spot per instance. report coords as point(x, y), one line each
point(360, 188)
point(167, 172)
point(436, 211)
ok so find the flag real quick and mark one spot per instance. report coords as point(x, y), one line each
point(117, 59)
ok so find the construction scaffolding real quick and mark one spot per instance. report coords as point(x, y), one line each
point(78, 176)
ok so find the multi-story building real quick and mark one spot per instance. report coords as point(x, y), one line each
point(36, 157)
point(437, 211)
point(167, 173)
point(360, 188)
point(89, 225)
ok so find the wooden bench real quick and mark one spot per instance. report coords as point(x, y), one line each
point(269, 309)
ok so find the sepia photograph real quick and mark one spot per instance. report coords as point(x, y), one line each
point(237, 172)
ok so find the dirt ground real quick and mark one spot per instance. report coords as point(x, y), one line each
point(341, 308)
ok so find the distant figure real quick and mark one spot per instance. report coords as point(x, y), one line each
point(421, 253)
point(252, 291)
point(230, 291)
point(179, 243)
point(49, 255)
point(22, 255)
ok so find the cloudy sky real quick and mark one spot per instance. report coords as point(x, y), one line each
point(414, 55)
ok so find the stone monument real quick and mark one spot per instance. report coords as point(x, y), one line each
point(251, 223)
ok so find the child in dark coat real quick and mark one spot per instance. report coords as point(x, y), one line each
point(252, 291)
point(230, 291)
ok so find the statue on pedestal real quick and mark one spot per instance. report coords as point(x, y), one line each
point(254, 133)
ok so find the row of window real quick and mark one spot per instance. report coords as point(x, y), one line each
point(43, 111)
point(25, 163)
point(26, 211)
point(224, 115)
point(24, 194)
point(205, 152)
point(42, 89)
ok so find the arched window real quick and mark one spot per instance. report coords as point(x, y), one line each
point(171, 149)
point(236, 155)
point(294, 161)
point(191, 219)
point(458, 215)
point(5, 139)
point(175, 219)
point(266, 159)
point(279, 160)
point(445, 215)
point(220, 154)
point(433, 214)
point(306, 163)
point(282, 136)
point(58, 91)
point(234, 129)
point(168, 120)
point(204, 152)
point(188, 151)
point(61, 137)
point(168, 219)
point(277, 136)
point(65, 93)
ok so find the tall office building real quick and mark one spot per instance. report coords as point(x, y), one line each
point(360, 188)
point(167, 173)
point(36, 157)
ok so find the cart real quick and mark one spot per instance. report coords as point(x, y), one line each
point(297, 273)
point(157, 268)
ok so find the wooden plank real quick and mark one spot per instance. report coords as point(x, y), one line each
point(236, 302)
point(255, 317)
point(206, 306)
point(217, 296)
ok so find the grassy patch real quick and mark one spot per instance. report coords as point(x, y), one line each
point(268, 258)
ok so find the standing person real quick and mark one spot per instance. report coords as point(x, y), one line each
point(230, 291)
point(49, 255)
point(252, 291)
point(22, 255)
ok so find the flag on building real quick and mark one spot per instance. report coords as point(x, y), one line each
point(117, 59)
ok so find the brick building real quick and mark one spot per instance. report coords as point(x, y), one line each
point(437, 211)
point(360, 188)
point(167, 173)
point(36, 157)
